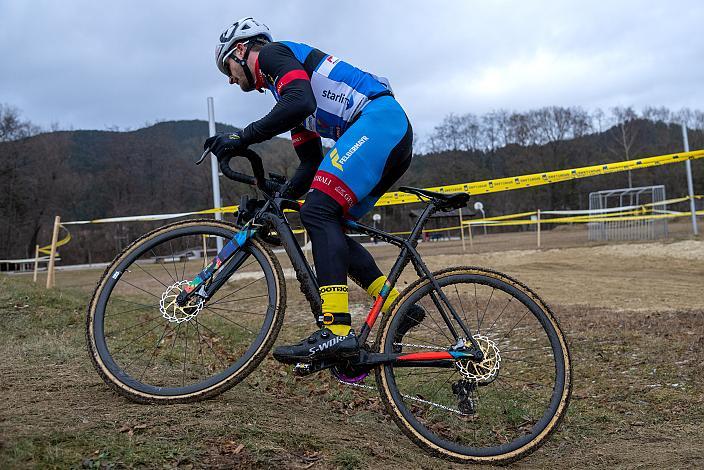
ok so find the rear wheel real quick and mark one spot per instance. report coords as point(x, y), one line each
point(149, 349)
point(495, 411)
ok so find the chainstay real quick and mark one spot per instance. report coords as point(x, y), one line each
point(407, 397)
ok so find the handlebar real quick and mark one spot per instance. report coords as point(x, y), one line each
point(257, 168)
point(259, 180)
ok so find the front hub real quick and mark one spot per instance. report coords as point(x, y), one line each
point(175, 313)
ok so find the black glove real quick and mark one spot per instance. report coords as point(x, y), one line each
point(225, 143)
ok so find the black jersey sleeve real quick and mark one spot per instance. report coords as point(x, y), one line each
point(309, 149)
point(280, 66)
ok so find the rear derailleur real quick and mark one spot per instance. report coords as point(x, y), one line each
point(466, 396)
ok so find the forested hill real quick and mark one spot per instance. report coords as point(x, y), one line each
point(94, 174)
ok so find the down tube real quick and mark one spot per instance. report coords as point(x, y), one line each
point(304, 273)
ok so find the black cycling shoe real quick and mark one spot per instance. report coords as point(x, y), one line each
point(323, 344)
point(413, 316)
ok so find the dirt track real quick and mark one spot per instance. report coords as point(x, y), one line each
point(633, 313)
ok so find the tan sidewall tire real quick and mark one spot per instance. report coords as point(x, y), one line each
point(421, 440)
point(215, 389)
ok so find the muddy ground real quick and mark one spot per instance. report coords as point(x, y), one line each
point(633, 313)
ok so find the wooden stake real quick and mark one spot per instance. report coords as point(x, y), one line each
point(36, 263)
point(50, 282)
point(538, 220)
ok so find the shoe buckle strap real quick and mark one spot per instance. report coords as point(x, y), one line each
point(331, 318)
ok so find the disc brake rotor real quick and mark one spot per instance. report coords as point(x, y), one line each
point(172, 311)
point(487, 370)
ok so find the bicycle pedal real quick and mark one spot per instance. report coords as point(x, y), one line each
point(302, 369)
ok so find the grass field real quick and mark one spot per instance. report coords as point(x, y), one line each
point(632, 312)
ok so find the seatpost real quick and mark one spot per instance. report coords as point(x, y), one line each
point(418, 228)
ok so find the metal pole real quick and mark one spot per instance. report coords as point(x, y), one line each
point(217, 203)
point(690, 182)
point(471, 242)
point(52, 256)
point(538, 220)
point(483, 217)
point(464, 247)
point(36, 262)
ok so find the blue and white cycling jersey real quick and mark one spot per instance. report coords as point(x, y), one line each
point(341, 91)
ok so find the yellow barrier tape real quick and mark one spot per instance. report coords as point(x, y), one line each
point(539, 179)
point(587, 219)
point(47, 249)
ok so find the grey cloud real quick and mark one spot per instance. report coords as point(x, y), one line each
point(95, 64)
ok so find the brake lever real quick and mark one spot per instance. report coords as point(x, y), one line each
point(202, 157)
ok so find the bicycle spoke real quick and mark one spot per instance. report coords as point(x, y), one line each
point(231, 321)
point(150, 274)
point(476, 303)
point(185, 356)
point(243, 287)
point(134, 325)
point(236, 311)
point(200, 350)
point(499, 316)
point(514, 326)
point(156, 257)
point(439, 329)
point(428, 372)
point(424, 341)
point(473, 407)
point(137, 287)
point(136, 339)
point(208, 344)
point(479, 325)
point(156, 347)
point(459, 299)
point(518, 359)
point(111, 314)
point(173, 257)
point(432, 397)
point(131, 302)
point(240, 300)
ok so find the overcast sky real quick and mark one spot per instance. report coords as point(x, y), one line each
point(95, 64)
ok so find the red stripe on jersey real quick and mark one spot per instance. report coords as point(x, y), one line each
point(302, 137)
point(335, 188)
point(299, 74)
point(258, 75)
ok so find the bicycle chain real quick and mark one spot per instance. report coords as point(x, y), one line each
point(408, 397)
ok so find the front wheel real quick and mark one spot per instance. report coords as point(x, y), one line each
point(495, 411)
point(149, 349)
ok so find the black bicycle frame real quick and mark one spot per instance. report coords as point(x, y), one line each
point(274, 217)
point(271, 218)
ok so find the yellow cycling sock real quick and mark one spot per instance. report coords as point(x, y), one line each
point(335, 309)
point(375, 288)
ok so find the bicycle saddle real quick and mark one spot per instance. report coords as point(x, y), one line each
point(443, 201)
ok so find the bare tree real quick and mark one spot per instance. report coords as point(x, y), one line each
point(624, 134)
point(656, 114)
point(12, 127)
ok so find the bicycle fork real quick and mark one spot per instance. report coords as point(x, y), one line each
point(230, 252)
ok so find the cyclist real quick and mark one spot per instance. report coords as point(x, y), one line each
point(318, 95)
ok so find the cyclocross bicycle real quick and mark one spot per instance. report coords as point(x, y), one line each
point(484, 378)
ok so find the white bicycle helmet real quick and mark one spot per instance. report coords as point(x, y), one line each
point(240, 31)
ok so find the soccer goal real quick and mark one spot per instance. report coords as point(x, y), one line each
point(628, 199)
